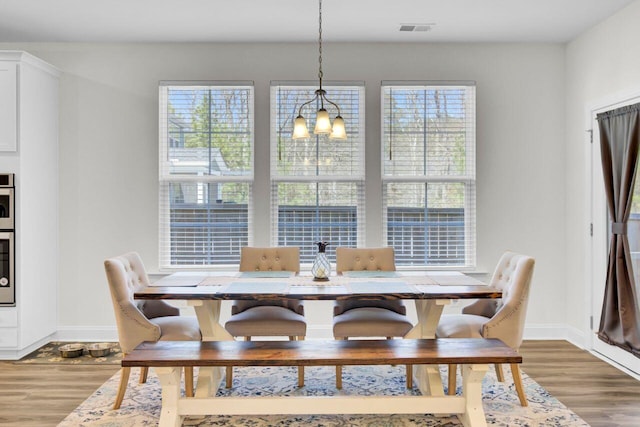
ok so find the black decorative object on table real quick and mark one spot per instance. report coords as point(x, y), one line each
point(321, 268)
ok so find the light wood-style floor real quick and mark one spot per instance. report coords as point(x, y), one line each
point(43, 395)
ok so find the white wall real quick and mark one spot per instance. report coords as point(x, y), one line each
point(109, 140)
point(601, 65)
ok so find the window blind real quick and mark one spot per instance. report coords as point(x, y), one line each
point(428, 171)
point(206, 172)
point(317, 190)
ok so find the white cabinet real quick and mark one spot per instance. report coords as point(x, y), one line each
point(29, 149)
point(8, 106)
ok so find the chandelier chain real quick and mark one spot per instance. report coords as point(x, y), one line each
point(320, 42)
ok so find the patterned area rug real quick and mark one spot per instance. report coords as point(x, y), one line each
point(141, 406)
point(50, 353)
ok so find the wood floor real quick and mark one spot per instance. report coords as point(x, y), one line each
point(601, 394)
point(43, 395)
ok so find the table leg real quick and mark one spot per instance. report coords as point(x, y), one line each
point(208, 313)
point(428, 376)
point(429, 312)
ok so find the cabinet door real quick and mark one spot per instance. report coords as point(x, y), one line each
point(8, 106)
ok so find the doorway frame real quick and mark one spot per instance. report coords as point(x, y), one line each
point(597, 254)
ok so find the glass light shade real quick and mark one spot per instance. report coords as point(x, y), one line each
point(338, 131)
point(300, 128)
point(323, 124)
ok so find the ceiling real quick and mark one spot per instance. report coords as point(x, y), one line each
point(555, 21)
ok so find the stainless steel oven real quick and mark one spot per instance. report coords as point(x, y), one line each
point(7, 202)
point(7, 268)
point(7, 240)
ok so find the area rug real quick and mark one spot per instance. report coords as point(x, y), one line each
point(50, 353)
point(141, 405)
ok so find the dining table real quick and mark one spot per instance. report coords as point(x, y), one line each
point(431, 291)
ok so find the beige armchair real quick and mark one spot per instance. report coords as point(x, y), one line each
point(140, 320)
point(268, 317)
point(502, 319)
point(359, 318)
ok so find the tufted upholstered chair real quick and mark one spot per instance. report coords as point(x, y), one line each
point(360, 318)
point(268, 317)
point(502, 319)
point(140, 320)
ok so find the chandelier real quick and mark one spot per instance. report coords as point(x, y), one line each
point(323, 123)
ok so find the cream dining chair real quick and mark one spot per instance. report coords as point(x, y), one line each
point(368, 318)
point(267, 318)
point(141, 320)
point(502, 319)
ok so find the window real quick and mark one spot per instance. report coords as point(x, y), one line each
point(317, 184)
point(428, 172)
point(206, 172)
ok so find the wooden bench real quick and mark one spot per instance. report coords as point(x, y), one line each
point(168, 357)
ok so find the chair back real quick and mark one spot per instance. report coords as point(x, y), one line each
point(366, 259)
point(279, 258)
point(507, 315)
point(360, 259)
point(126, 274)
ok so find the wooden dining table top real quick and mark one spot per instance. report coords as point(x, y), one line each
point(246, 286)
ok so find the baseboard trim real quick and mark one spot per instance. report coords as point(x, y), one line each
point(86, 334)
point(325, 331)
point(545, 332)
point(19, 354)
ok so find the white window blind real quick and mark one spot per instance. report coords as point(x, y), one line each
point(317, 184)
point(428, 172)
point(206, 172)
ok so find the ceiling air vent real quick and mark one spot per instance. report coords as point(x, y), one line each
point(416, 27)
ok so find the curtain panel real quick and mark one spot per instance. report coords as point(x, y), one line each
point(619, 145)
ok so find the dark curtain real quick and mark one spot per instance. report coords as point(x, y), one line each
point(619, 145)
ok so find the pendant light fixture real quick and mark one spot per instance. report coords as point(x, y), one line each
point(323, 122)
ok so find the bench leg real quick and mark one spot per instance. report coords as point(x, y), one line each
point(124, 380)
point(409, 377)
point(170, 381)
point(517, 381)
point(473, 415)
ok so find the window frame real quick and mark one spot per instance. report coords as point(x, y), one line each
point(358, 179)
point(166, 179)
point(467, 179)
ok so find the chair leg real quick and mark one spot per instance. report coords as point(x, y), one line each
point(499, 373)
point(124, 379)
point(453, 372)
point(517, 380)
point(409, 377)
point(188, 381)
point(339, 369)
point(300, 368)
point(229, 371)
point(229, 380)
point(144, 371)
